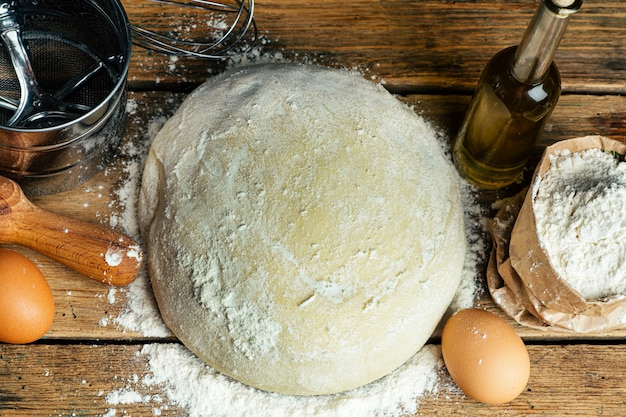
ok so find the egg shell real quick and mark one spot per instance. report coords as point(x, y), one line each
point(26, 301)
point(485, 357)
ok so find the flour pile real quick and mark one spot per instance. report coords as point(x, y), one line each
point(579, 206)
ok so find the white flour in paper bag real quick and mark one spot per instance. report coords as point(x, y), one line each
point(580, 207)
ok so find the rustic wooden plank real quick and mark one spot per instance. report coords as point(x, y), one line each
point(565, 380)
point(66, 380)
point(416, 46)
point(574, 115)
point(85, 308)
point(433, 50)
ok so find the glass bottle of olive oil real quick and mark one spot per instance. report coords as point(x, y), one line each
point(516, 94)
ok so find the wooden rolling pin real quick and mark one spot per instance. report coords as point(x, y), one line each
point(99, 253)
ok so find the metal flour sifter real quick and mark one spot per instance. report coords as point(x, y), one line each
point(63, 71)
point(62, 88)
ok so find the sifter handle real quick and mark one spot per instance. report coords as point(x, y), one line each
point(100, 253)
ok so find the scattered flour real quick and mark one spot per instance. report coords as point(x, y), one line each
point(476, 252)
point(141, 313)
point(113, 256)
point(224, 397)
point(579, 206)
point(184, 381)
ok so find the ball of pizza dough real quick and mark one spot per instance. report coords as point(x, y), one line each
point(304, 230)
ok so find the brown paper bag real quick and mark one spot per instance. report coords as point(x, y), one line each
point(519, 275)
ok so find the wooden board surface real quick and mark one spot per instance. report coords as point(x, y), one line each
point(429, 52)
point(416, 46)
point(37, 383)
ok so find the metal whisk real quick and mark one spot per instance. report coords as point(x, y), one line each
point(240, 20)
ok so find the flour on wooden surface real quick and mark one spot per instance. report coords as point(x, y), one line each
point(221, 396)
point(580, 207)
point(141, 313)
point(184, 381)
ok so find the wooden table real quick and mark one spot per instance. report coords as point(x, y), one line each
point(430, 53)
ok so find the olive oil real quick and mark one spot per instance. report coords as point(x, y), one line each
point(517, 91)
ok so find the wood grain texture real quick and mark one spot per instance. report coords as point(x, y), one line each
point(83, 305)
point(100, 253)
point(38, 383)
point(415, 46)
point(431, 53)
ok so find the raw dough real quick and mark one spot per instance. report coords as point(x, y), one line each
point(304, 230)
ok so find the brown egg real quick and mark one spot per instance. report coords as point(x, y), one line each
point(484, 356)
point(26, 302)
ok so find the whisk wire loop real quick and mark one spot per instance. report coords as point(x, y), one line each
point(240, 24)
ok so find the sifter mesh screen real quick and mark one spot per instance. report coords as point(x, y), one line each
point(75, 58)
point(9, 86)
point(63, 68)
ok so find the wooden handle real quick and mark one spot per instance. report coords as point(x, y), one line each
point(95, 251)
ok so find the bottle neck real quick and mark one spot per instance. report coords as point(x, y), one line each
point(535, 53)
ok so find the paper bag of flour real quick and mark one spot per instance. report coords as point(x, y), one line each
point(520, 276)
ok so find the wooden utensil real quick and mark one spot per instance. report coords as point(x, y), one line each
point(99, 253)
